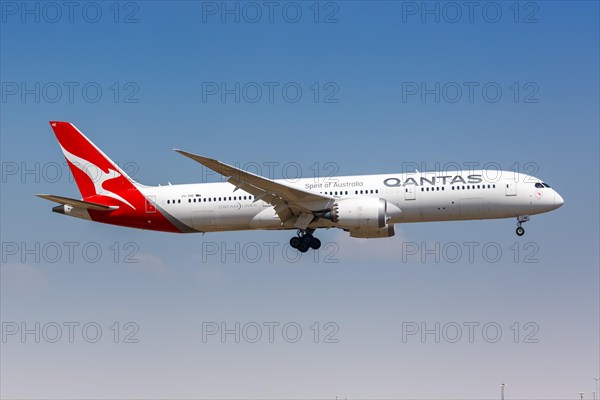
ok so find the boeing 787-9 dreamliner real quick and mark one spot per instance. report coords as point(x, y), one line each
point(365, 206)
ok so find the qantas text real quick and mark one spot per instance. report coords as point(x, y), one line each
point(444, 180)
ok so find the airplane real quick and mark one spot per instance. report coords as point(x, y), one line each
point(366, 206)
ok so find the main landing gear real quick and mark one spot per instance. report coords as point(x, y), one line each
point(305, 240)
point(520, 220)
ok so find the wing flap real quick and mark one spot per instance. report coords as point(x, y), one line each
point(239, 176)
point(294, 206)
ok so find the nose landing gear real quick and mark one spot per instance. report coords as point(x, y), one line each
point(305, 240)
point(520, 219)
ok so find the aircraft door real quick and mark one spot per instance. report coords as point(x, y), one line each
point(511, 188)
point(150, 204)
point(409, 192)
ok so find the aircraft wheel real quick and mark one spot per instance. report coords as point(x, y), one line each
point(315, 244)
point(308, 238)
point(520, 231)
point(295, 242)
point(303, 247)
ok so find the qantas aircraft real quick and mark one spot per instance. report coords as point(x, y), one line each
point(366, 206)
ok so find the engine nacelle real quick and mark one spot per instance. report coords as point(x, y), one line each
point(387, 231)
point(369, 213)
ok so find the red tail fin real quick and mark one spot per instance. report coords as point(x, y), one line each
point(96, 175)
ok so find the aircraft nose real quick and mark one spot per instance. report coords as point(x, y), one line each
point(558, 200)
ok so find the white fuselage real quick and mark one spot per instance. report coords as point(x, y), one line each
point(419, 197)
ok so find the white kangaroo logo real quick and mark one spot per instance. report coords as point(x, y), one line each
point(97, 176)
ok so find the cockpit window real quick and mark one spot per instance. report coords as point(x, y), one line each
point(545, 184)
point(539, 185)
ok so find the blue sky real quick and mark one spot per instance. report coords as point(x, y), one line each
point(355, 115)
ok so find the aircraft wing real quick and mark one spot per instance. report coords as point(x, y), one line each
point(290, 203)
point(77, 203)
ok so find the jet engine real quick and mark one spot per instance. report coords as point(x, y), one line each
point(362, 215)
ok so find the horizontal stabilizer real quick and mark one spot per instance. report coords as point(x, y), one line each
point(77, 203)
